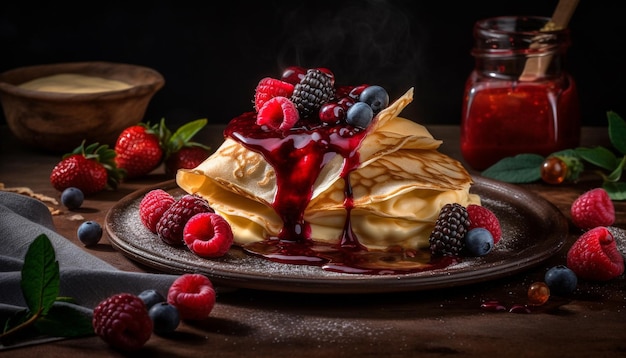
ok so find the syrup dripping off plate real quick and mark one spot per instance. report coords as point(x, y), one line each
point(533, 230)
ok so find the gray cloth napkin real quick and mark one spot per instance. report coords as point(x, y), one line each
point(83, 276)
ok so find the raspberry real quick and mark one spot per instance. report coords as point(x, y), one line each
point(152, 207)
point(193, 295)
point(481, 216)
point(278, 113)
point(170, 226)
point(208, 235)
point(269, 88)
point(448, 236)
point(122, 321)
point(594, 256)
point(593, 208)
point(315, 89)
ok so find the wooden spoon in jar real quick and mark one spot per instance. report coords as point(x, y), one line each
point(536, 66)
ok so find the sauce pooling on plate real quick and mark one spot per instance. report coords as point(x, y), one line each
point(74, 83)
point(298, 157)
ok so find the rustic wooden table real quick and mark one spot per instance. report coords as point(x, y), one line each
point(433, 323)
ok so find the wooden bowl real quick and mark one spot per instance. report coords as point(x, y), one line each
point(60, 121)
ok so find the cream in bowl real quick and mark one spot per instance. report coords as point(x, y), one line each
point(56, 106)
point(74, 83)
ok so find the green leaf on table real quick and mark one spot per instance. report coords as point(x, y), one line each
point(617, 173)
point(599, 156)
point(522, 168)
point(16, 319)
point(616, 190)
point(617, 131)
point(65, 321)
point(40, 276)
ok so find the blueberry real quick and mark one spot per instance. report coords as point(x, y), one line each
point(376, 97)
point(359, 115)
point(165, 318)
point(479, 241)
point(89, 233)
point(561, 280)
point(72, 198)
point(151, 297)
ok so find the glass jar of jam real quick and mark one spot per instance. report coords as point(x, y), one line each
point(519, 98)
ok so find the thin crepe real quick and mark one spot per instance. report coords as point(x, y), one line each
point(399, 187)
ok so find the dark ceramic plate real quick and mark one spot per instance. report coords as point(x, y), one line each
point(532, 231)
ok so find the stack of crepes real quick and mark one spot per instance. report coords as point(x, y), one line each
point(399, 187)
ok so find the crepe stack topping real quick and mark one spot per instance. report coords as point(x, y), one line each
point(347, 192)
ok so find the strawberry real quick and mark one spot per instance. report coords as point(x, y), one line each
point(186, 158)
point(181, 152)
point(193, 295)
point(278, 113)
point(152, 207)
point(481, 216)
point(594, 256)
point(139, 149)
point(90, 169)
point(269, 88)
point(208, 235)
point(142, 148)
point(593, 208)
point(171, 224)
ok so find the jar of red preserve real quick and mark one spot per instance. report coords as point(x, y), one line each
point(519, 98)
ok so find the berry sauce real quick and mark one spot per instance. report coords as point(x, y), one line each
point(297, 157)
point(505, 118)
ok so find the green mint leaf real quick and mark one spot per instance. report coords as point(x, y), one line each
point(184, 134)
point(617, 131)
point(40, 276)
point(565, 153)
point(617, 173)
point(16, 319)
point(66, 299)
point(65, 320)
point(522, 168)
point(616, 190)
point(599, 156)
point(17, 329)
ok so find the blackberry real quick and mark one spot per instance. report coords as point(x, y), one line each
point(315, 89)
point(171, 224)
point(448, 236)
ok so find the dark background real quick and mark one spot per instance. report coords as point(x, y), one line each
point(213, 56)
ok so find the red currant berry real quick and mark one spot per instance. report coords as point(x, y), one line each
point(355, 93)
point(553, 170)
point(538, 294)
point(293, 74)
point(332, 113)
point(328, 73)
point(342, 91)
point(346, 102)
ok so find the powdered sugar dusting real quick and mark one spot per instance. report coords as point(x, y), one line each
point(620, 238)
point(530, 234)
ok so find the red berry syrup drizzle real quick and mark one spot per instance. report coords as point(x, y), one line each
point(297, 157)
